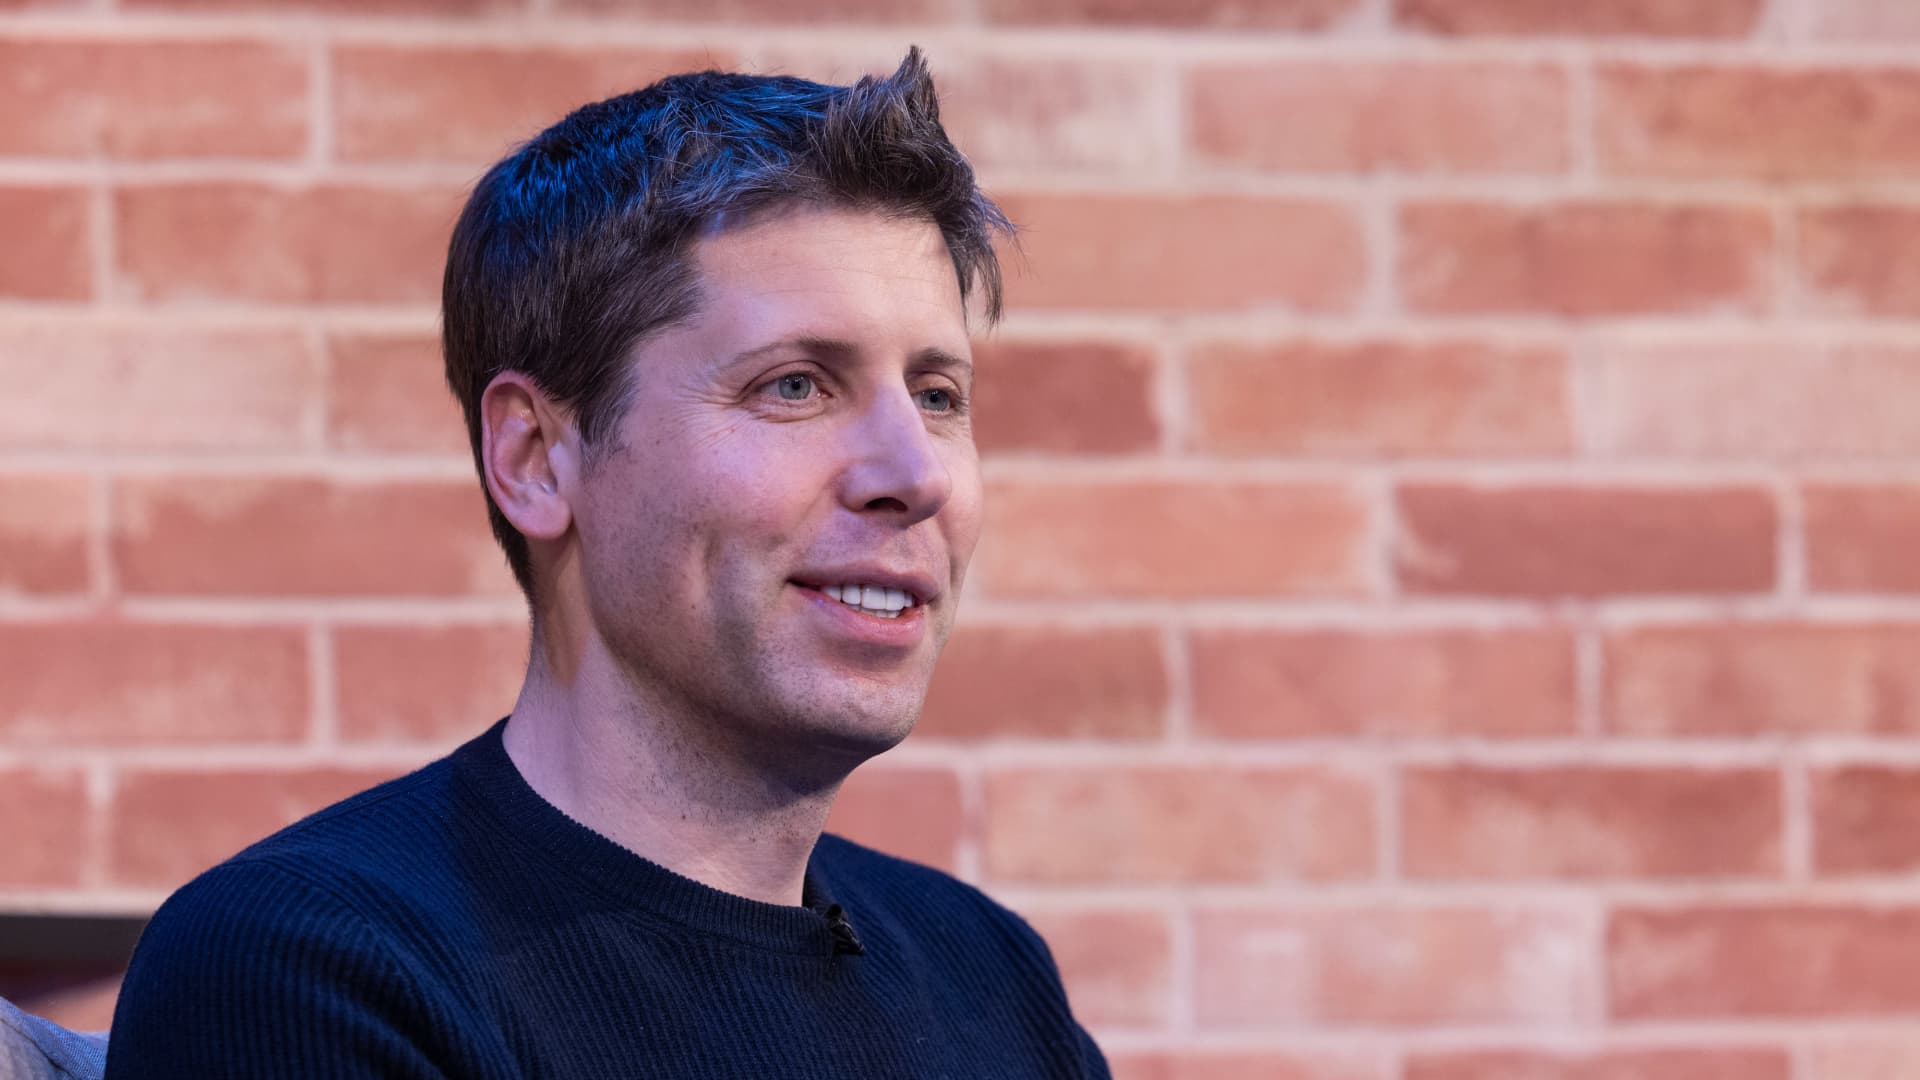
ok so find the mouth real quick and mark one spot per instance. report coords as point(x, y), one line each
point(877, 601)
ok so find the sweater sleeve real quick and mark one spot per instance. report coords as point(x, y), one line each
point(1094, 1063)
point(253, 971)
point(1090, 1063)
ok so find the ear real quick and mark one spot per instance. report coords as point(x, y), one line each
point(530, 450)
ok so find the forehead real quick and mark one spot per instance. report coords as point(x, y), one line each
point(854, 265)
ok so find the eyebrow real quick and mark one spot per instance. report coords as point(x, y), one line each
point(835, 348)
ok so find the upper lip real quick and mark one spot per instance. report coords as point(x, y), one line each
point(922, 587)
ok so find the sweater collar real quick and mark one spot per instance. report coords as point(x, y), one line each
point(487, 777)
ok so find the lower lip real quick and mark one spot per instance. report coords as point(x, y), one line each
point(901, 632)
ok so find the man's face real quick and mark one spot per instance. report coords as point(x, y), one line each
point(805, 433)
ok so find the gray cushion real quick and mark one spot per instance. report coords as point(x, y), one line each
point(32, 1048)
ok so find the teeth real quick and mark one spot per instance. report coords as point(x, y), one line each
point(871, 599)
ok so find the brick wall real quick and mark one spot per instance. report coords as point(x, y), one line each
point(1450, 608)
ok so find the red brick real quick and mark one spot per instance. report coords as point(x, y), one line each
point(1597, 18)
point(1173, 14)
point(137, 100)
point(1347, 116)
point(1861, 538)
point(844, 59)
point(1173, 539)
point(1585, 259)
point(389, 392)
point(123, 386)
point(1826, 962)
point(1541, 541)
point(1064, 398)
point(1170, 824)
point(1184, 253)
point(473, 104)
point(228, 535)
point(1865, 1057)
point(169, 825)
point(1202, 1064)
point(1753, 399)
point(107, 683)
point(831, 12)
point(1380, 398)
point(1757, 123)
point(1054, 112)
point(1590, 822)
point(45, 519)
point(1866, 820)
point(46, 253)
point(1875, 21)
point(1048, 682)
point(1263, 683)
point(333, 7)
point(1118, 965)
point(1764, 679)
point(426, 683)
point(1734, 1063)
point(1393, 966)
point(1853, 260)
point(47, 816)
point(909, 812)
point(332, 243)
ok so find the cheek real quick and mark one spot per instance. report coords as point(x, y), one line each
point(630, 552)
point(750, 509)
point(965, 511)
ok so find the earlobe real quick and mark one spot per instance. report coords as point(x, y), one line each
point(525, 444)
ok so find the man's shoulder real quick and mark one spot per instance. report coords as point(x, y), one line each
point(338, 889)
point(367, 845)
point(387, 826)
point(319, 920)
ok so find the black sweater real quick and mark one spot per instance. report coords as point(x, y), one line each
point(453, 923)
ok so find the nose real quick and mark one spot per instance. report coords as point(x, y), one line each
point(897, 468)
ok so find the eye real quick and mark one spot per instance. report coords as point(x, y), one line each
point(938, 399)
point(794, 386)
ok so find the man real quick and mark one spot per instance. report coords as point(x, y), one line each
point(711, 341)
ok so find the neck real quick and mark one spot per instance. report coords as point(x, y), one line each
point(594, 744)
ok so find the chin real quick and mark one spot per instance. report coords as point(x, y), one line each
point(850, 733)
point(822, 726)
point(869, 733)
